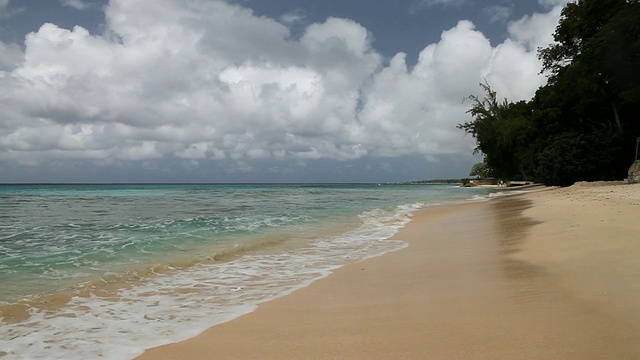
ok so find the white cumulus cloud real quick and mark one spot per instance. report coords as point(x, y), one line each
point(206, 80)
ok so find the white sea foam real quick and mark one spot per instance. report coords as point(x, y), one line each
point(489, 196)
point(173, 307)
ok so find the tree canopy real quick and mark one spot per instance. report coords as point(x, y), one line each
point(481, 170)
point(583, 124)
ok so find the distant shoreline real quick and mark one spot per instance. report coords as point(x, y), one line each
point(232, 183)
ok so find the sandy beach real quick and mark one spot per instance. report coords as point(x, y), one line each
point(551, 274)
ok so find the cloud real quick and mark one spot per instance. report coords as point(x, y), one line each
point(76, 4)
point(293, 17)
point(11, 56)
point(7, 11)
point(209, 82)
point(536, 30)
point(432, 3)
point(553, 3)
point(497, 13)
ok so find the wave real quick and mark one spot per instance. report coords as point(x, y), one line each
point(175, 301)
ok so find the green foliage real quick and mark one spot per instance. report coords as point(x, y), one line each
point(583, 124)
point(596, 60)
point(481, 170)
point(499, 128)
point(573, 156)
point(562, 160)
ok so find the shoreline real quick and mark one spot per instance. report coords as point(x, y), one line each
point(326, 227)
point(480, 280)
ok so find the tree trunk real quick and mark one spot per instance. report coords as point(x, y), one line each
point(616, 115)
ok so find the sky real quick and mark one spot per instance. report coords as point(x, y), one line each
point(254, 90)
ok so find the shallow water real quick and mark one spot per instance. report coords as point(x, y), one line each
point(109, 270)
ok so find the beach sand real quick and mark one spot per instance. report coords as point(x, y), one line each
point(552, 274)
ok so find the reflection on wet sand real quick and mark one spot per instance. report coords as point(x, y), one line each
point(529, 282)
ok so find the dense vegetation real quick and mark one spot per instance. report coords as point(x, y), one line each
point(584, 123)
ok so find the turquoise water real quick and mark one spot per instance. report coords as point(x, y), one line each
point(141, 264)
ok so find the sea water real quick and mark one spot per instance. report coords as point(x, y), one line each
point(107, 271)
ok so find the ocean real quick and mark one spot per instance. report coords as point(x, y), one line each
point(107, 271)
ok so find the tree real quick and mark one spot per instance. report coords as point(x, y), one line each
point(594, 84)
point(583, 124)
point(481, 170)
point(597, 51)
point(500, 129)
point(570, 156)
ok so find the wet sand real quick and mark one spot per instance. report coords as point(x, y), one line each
point(553, 274)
